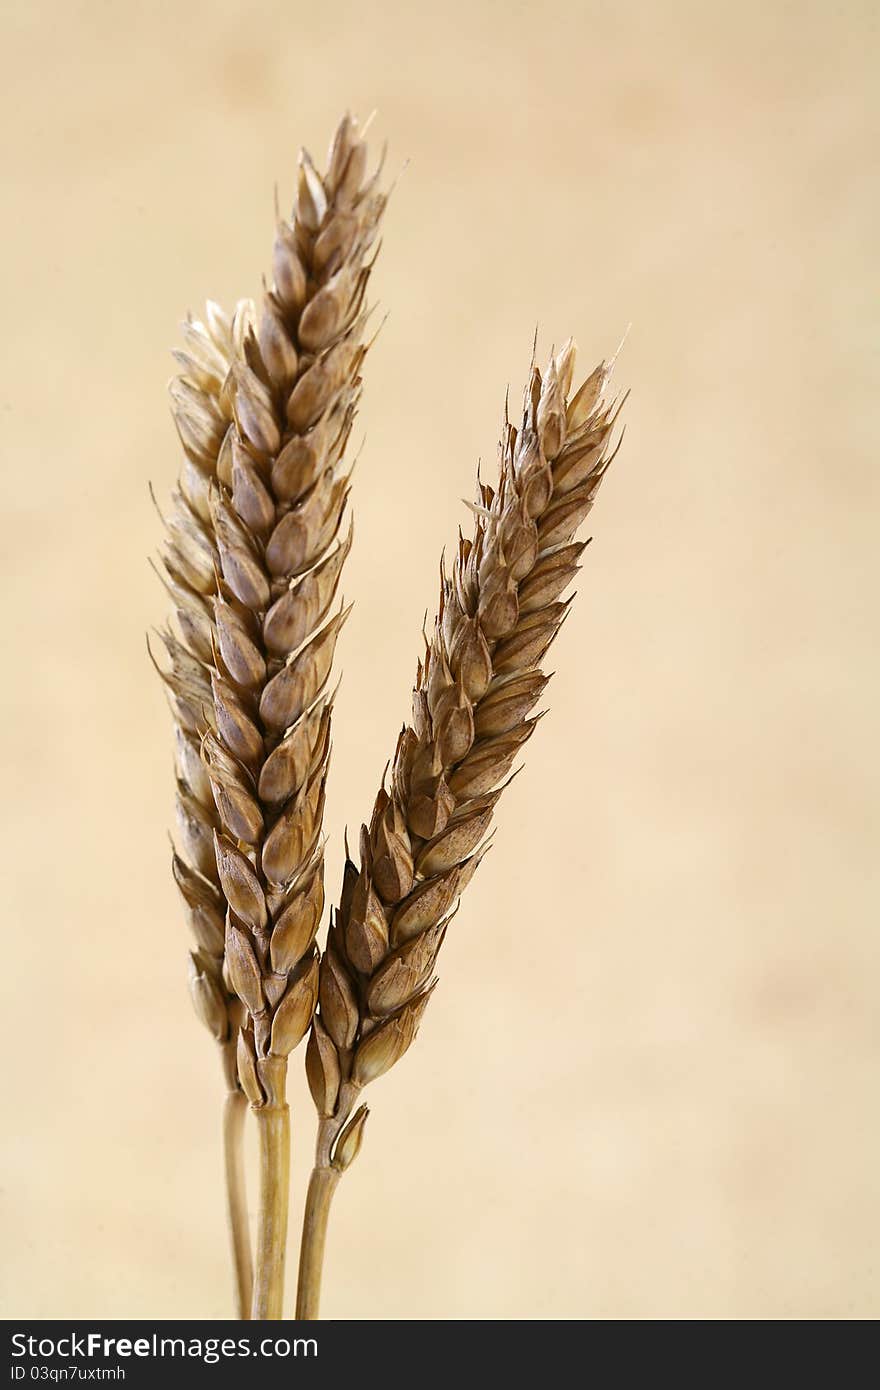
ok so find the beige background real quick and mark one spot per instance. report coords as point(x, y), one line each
point(647, 1086)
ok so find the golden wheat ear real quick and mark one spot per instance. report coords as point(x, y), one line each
point(277, 516)
point(190, 562)
point(476, 688)
point(189, 566)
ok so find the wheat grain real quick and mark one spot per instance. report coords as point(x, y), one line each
point(472, 712)
point(277, 515)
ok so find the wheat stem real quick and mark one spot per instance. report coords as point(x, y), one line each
point(322, 1185)
point(273, 1125)
point(234, 1112)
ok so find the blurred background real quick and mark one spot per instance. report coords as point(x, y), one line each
point(647, 1084)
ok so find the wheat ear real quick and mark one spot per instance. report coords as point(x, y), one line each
point(277, 514)
point(190, 562)
point(475, 690)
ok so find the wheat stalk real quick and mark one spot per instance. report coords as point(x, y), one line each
point(189, 562)
point(475, 690)
point(277, 515)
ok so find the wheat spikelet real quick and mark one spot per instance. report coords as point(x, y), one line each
point(277, 515)
point(472, 713)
